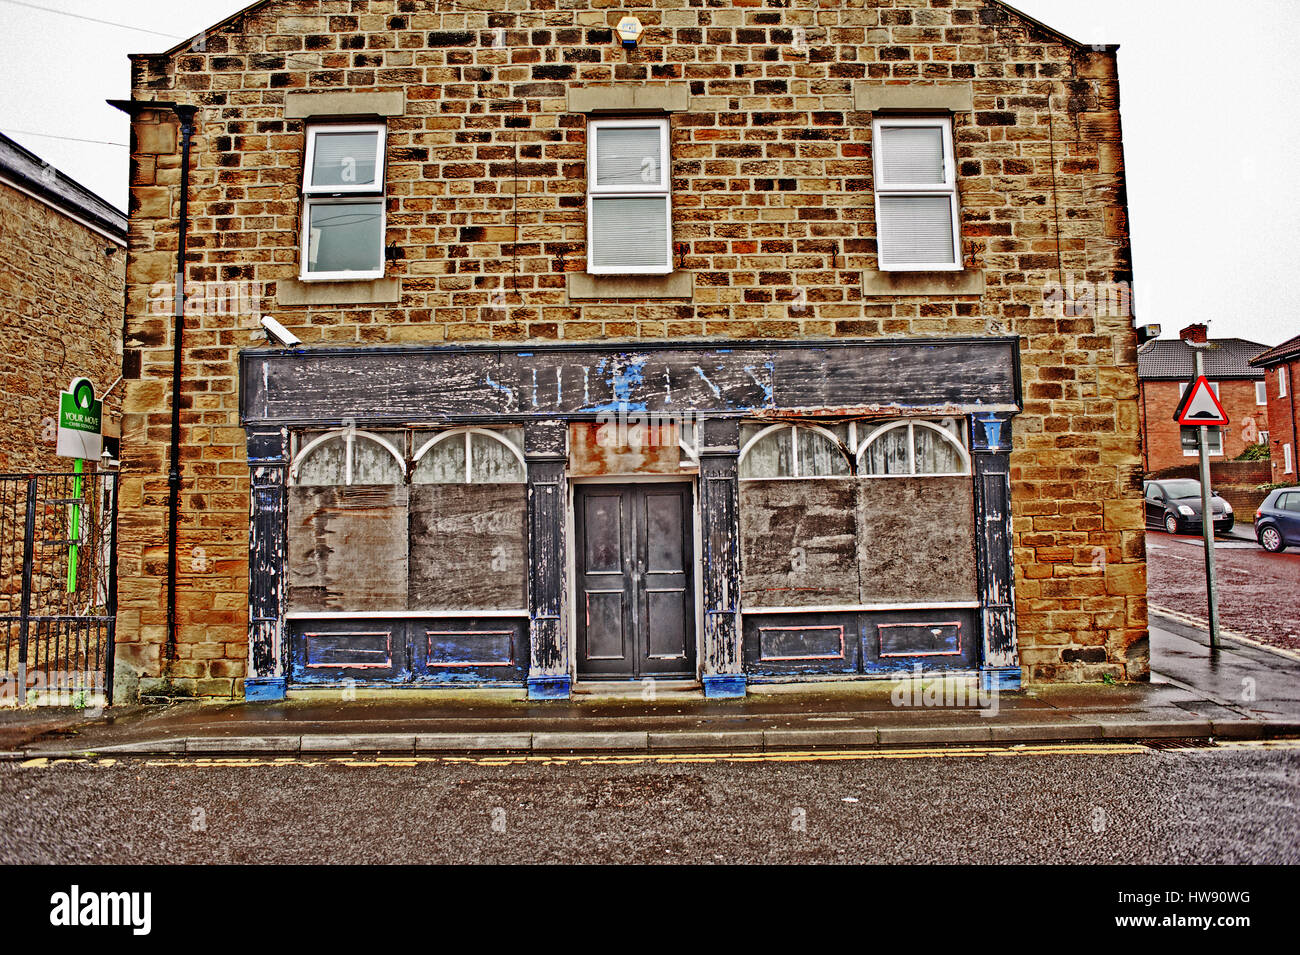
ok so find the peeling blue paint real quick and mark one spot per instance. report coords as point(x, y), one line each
point(497, 386)
point(548, 687)
point(264, 689)
point(717, 392)
point(625, 373)
point(724, 686)
point(765, 385)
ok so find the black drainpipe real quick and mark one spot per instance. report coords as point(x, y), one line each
point(186, 116)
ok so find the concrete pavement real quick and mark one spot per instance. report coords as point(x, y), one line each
point(1246, 692)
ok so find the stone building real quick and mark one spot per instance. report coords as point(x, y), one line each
point(62, 279)
point(727, 347)
point(1166, 368)
point(1281, 369)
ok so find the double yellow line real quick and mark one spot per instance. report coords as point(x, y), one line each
point(674, 758)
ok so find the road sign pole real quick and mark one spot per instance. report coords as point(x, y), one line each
point(1207, 522)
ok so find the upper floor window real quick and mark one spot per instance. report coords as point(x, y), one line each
point(1261, 392)
point(1281, 382)
point(629, 209)
point(916, 195)
point(343, 217)
point(1191, 441)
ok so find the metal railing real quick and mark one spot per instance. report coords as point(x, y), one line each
point(58, 588)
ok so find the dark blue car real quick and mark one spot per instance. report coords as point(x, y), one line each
point(1277, 522)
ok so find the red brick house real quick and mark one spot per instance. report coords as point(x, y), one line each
point(1166, 368)
point(1281, 366)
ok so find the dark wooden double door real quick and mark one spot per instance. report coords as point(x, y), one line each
point(635, 588)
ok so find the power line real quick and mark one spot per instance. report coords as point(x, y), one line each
point(79, 16)
point(71, 139)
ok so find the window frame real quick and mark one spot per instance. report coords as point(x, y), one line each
point(795, 469)
point(349, 437)
point(625, 191)
point(314, 196)
point(963, 450)
point(1281, 381)
point(903, 190)
point(469, 433)
point(1287, 460)
point(1261, 393)
point(1195, 452)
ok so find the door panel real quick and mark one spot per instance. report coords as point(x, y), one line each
point(636, 597)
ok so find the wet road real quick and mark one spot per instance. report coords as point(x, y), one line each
point(1259, 592)
point(1095, 803)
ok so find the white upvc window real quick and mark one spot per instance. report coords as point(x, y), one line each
point(1286, 459)
point(629, 206)
point(915, 173)
point(1261, 392)
point(1191, 441)
point(1281, 382)
point(343, 216)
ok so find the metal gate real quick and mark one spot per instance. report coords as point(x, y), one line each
point(58, 588)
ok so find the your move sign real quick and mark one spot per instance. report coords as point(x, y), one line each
point(81, 419)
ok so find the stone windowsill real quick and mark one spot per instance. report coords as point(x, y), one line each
point(374, 292)
point(583, 286)
point(880, 284)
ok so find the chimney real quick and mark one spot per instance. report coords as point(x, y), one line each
point(1193, 333)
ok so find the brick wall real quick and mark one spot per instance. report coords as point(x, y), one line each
point(773, 215)
point(1283, 418)
point(1237, 482)
point(61, 298)
point(1162, 435)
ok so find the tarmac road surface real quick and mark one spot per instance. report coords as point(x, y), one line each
point(1076, 803)
point(1259, 592)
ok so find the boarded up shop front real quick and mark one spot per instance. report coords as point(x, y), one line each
point(427, 516)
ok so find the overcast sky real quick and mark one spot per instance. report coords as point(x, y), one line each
point(1209, 110)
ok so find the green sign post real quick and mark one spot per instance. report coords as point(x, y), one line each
point(81, 419)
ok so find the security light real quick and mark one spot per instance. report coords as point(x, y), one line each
point(278, 333)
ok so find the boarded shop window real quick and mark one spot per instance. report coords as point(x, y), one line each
point(845, 540)
point(629, 210)
point(914, 447)
point(471, 456)
point(454, 539)
point(916, 195)
point(469, 508)
point(793, 451)
point(343, 211)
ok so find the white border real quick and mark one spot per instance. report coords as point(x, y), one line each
point(947, 189)
point(376, 187)
point(661, 191)
point(304, 236)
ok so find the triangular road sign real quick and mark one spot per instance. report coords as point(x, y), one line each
point(1200, 405)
